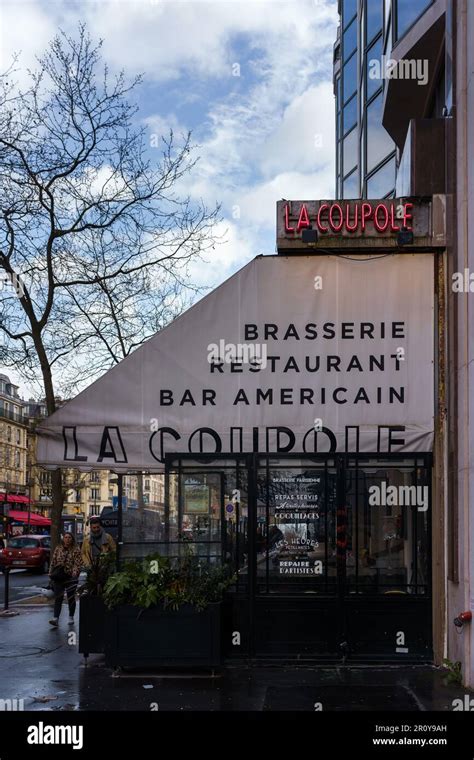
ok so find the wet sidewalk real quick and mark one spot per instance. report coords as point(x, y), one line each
point(41, 665)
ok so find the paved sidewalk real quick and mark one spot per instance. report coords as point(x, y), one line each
point(38, 665)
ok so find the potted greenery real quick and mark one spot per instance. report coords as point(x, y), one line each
point(92, 609)
point(164, 613)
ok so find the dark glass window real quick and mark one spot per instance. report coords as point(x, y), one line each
point(349, 40)
point(383, 181)
point(350, 77)
point(374, 18)
point(362, 155)
point(379, 143)
point(407, 13)
point(388, 38)
point(350, 113)
point(22, 543)
point(349, 8)
point(373, 64)
point(350, 151)
point(351, 186)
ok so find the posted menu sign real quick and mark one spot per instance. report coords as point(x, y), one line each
point(294, 499)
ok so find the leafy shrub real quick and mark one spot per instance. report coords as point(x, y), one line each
point(156, 580)
point(454, 672)
point(97, 575)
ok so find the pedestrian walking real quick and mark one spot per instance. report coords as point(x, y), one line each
point(98, 542)
point(64, 573)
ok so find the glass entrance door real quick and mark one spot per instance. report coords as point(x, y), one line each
point(331, 554)
point(296, 542)
point(342, 557)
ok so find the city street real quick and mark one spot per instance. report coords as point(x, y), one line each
point(41, 666)
point(23, 583)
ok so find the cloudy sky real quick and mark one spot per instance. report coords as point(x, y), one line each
point(252, 80)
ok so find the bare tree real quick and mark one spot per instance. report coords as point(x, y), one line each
point(94, 236)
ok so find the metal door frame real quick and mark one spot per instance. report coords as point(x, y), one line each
point(344, 462)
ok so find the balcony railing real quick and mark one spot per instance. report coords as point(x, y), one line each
point(13, 416)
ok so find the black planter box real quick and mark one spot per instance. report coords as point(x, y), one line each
point(92, 616)
point(161, 638)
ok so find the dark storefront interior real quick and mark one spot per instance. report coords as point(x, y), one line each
point(322, 571)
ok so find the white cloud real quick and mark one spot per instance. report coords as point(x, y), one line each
point(259, 136)
point(166, 37)
point(304, 140)
point(225, 258)
point(25, 30)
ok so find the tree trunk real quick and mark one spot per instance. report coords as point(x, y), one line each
point(56, 475)
point(57, 508)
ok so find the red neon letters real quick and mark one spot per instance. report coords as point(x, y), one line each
point(353, 217)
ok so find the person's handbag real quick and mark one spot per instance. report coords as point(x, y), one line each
point(58, 574)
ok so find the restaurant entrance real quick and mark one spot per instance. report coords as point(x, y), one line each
point(331, 552)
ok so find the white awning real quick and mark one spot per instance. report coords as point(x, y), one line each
point(346, 352)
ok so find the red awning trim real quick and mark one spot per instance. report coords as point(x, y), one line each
point(14, 498)
point(33, 518)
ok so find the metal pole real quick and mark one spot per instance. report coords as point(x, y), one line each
point(119, 518)
point(29, 499)
point(6, 572)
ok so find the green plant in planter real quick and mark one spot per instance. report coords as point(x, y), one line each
point(97, 575)
point(155, 580)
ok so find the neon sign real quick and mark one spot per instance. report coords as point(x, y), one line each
point(352, 217)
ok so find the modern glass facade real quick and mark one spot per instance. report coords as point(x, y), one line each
point(366, 156)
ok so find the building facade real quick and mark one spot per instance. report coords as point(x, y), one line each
point(366, 154)
point(13, 443)
point(418, 141)
point(25, 482)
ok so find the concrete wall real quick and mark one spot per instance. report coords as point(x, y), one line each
point(461, 595)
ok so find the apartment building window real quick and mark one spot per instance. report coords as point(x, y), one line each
point(94, 509)
point(351, 186)
point(379, 143)
point(147, 485)
point(407, 12)
point(350, 152)
point(373, 15)
point(94, 493)
point(17, 460)
point(18, 436)
point(350, 114)
point(381, 183)
point(349, 78)
point(349, 9)
point(349, 39)
point(94, 477)
point(9, 434)
point(372, 67)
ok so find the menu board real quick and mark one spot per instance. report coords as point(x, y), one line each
point(294, 534)
point(296, 497)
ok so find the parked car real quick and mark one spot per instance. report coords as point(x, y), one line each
point(28, 552)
